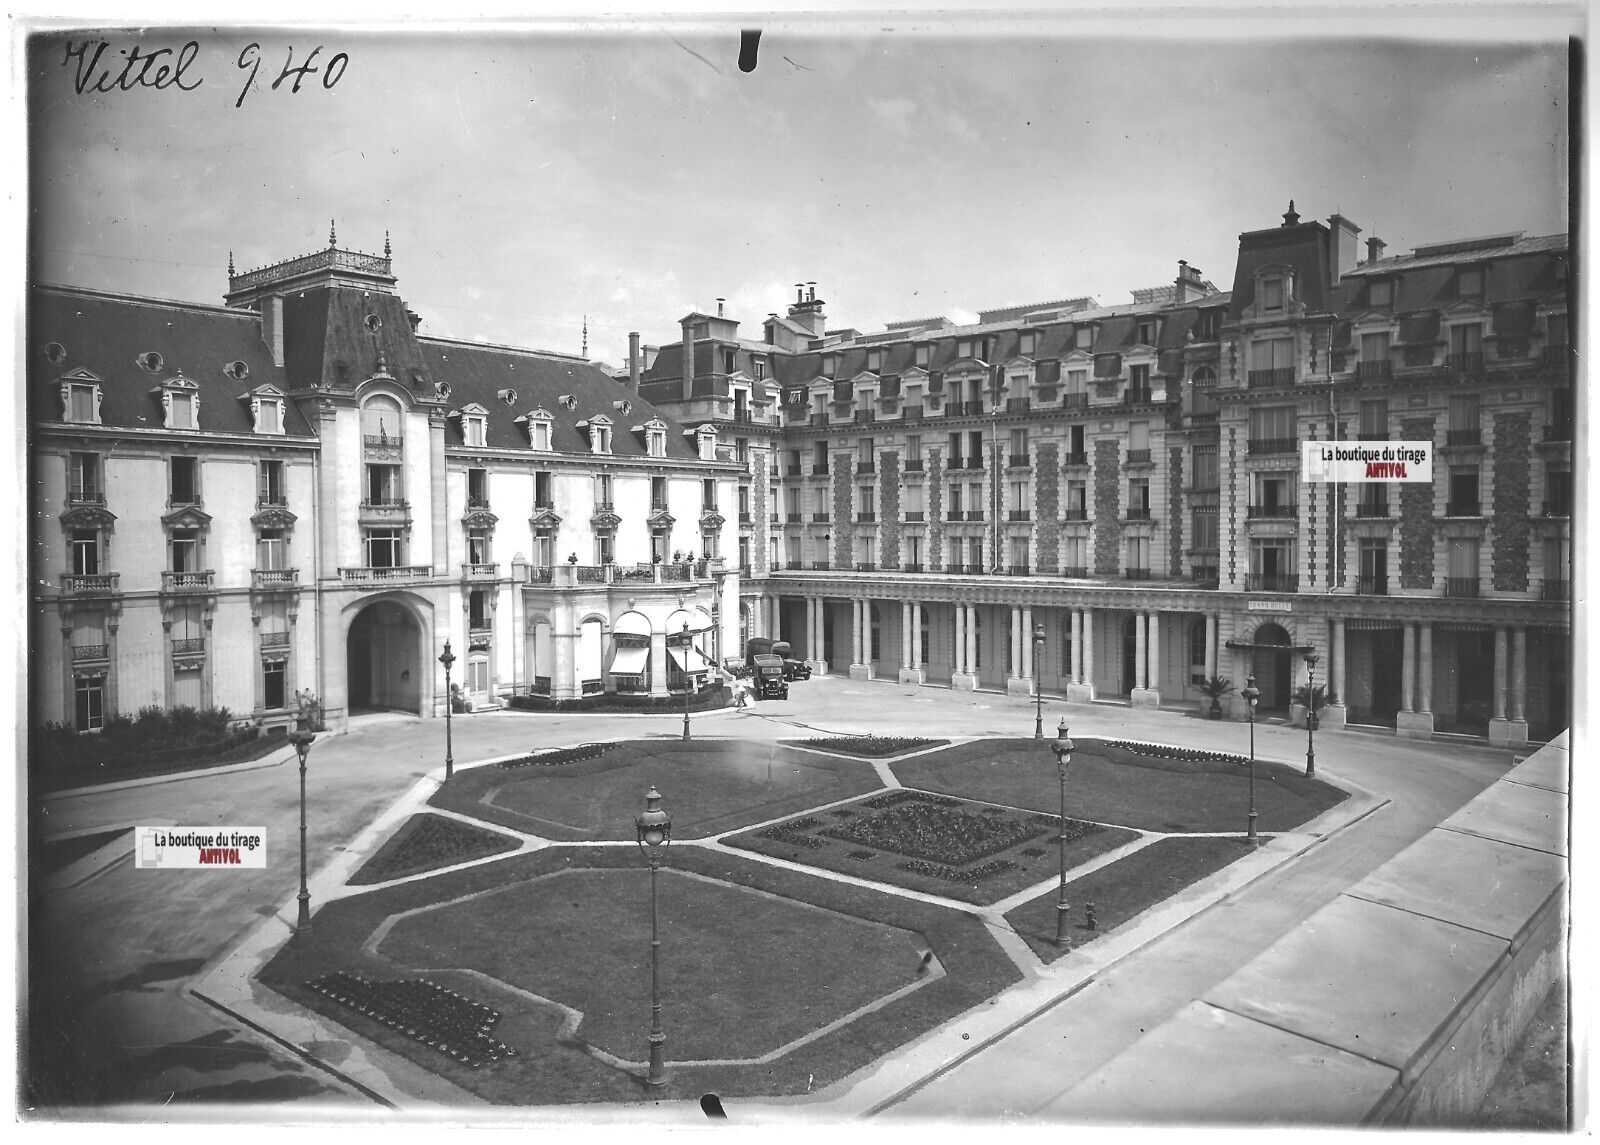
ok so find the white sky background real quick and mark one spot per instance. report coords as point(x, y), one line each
point(531, 176)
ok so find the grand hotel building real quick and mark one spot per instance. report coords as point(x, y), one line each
point(1124, 480)
point(299, 490)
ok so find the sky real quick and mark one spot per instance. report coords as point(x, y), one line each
point(534, 177)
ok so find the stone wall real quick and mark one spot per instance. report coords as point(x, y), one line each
point(1175, 510)
point(1508, 536)
point(1047, 508)
point(1108, 506)
point(935, 503)
point(889, 509)
point(1417, 525)
point(844, 510)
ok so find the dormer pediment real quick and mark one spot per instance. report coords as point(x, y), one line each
point(88, 517)
point(741, 376)
point(1373, 318)
point(654, 423)
point(1077, 357)
point(274, 517)
point(470, 408)
point(176, 382)
point(1140, 350)
point(598, 421)
point(81, 375)
point(1465, 307)
point(913, 374)
point(864, 377)
point(265, 390)
point(963, 366)
point(1020, 362)
point(545, 518)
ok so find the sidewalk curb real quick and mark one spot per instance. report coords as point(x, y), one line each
point(273, 758)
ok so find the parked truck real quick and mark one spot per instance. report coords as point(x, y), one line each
point(760, 646)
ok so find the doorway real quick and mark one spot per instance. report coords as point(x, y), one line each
point(383, 658)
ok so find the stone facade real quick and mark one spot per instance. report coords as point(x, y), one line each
point(889, 506)
point(1417, 523)
point(1509, 528)
point(934, 499)
point(1175, 510)
point(1047, 506)
point(1108, 506)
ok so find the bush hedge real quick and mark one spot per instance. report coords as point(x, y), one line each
point(704, 700)
point(150, 742)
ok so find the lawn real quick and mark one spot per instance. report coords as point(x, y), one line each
point(934, 844)
point(707, 786)
point(1122, 890)
point(740, 969)
point(1113, 784)
point(427, 842)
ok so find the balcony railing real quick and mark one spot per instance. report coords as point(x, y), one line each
point(1074, 514)
point(820, 518)
point(1263, 379)
point(865, 417)
point(911, 566)
point(1272, 582)
point(1018, 570)
point(1462, 509)
point(1463, 437)
point(1018, 461)
point(1372, 508)
point(911, 412)
point(744, 518)
point(1374, 371)
point(1461, 586)
point(82, 652)
point(821, 566)
point(1074, 401)
point(479, 570)
point(199, 581)
point(1464, 363)
point(1558, 430)
point(974, 463)
point(274, 578)
point(386, 511)
point(792, 471)
point(819, 418)
point(477, 501)
point(819, 469)
point(188, 645)
point(1136, 573)
point(1273, 445)
point(1075, 571)
point(1138, 457)
point(88, 584)
point(913, 465)
point(1138, 512)
point(866, 566)
point(1201, 573)
point(866, 516)
point(86, 495)
point(1558, 508)
point(1372, 585)
point(480, 624)
point(1018, 405)
point(1137, 395)
point(961, 569)
point(866, 467)
point(1019, 515)
point(381, 441)
point(1078, 458)
point(1419, 355)
point(1271, 512)
point(389, 574)
point(915, 516)
point(974, 514)
point(1552, 589)
point(744, 416)
point(954, 515)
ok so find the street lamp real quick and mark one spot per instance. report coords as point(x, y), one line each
point(688, 679)
point(1038, 696)
point(716, 633)
point(302, 739)
point(1311, 714)
point(654, 828)
point(1062, 746)
point(1251, 695)
point(448, 658)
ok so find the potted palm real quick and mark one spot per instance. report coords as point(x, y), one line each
point(1216, 687)
point(1299, 702)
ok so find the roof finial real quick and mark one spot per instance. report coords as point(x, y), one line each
point(1289, 216)
point(333, 239)
point(586, 336)
point(230, 264)
point(386, 251)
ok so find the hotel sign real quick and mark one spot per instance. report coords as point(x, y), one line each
point(1268, 606)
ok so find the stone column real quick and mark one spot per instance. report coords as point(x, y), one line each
point(1016, 671)
point(1211, 644)
point(905, 635)
point(1140, 652)
point(964, 677)
point(1147, 634)
point(1425, 669)
point(918, 653)
point(1074, 663)
point(1519, 672)
point(1510, 682)
point(1412, 722)
point(911, 643)
point(1333, 712)
point(861, 668)
point(814, 645)
point(1082, 689)
point(1029, 668)
point(564, 683)
point(658, 664)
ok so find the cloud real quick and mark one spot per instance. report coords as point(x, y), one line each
point(895, 113)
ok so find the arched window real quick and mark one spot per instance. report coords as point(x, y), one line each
point(1204, 377)
point(380, 417)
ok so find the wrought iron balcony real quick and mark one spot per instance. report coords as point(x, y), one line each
point(1464, 363)
point(198, 581)
point(1018, 570)
point(1272, 582)
point(1138, 512)
point(865, 417)
point(866, 566)
point(1264, 379)
point(1074, 514)
point(1019, 515)
point(381, 441)
point(1463, 437)
point(1137, 395)
point(744, 416)
point(188, 645)
point(1074, 401)
point(820, 518)
point(1018, 461)
point(913, 465)
point(821, 566)
point(1138, 457)
point(274, 640)
point(819, 469)
point(1561, 508)
point(915, 516)
point(270, 579)
point(1552, 589)
point(1201, 573)
point(954, 515)
point(975, 514)
point(961, 569)
point(866, 516)
point(793, 470)
point(1557, 355)
point(1462, 509)
point(1271, 512)
point(477, 501)
point(1136, 573)
point(866, 467)
point(86, 495)
point(480, 623)
point(82, 652)
point(1372, 585)
point(1372, 508)
point(1375, 371)
point(1273, 445)
point(1079, 457)
point(1018, 405)
point(1075, 571)
point(1461, 586)
point(911, 566)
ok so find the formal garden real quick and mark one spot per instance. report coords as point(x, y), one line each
point(523, 974)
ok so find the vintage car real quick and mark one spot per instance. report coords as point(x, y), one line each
point(769, 681)
point(792, 669)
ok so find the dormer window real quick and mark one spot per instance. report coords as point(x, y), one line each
point(830, 362)
point(1083, 338)
point(1469, 282)
point(474, 428)
point(80, 399)
point(655, 437)
point(874, 360)
point(1147, 332)
point(1271, 294)
point(599, 428)
point(1028, 342)
point(760, 367)
point(706, 440)
point(180, 402)
point(924, 353)
point(964, 348)
point(1380, 292)
point(266, 409)
point(540, 426)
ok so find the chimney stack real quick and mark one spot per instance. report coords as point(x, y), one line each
point(1375, 247)
point(1342, 254)
point(633, 361)
point(688, 359)
point(807, 310)
point(720, 301)
point(1189, 283)
point(272, 326)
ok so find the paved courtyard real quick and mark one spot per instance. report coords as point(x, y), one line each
point(121, 951)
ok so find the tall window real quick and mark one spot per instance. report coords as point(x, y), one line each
point(924, 353)
point(658, 494)
point(544, 548)
point(1138, 437)
point(656, 442)
point(1078, 499)
point(1272, 294)
point(180, 410)
point(472, 428)
point(83, 477)
point(1075, 554)
point(380, 418)
point(1272, 354)
point(1139, 497)
point(1204, 467)
point(1466, 339)
point(791, 501)
point(1375, 419)
point(271, 550)
point(88, 697)
point(383, 485)
point(602, 490)
point(83, 403)
point(1139, 554)
point(1380, 292)
point(273, 684)
point(708, 494)
point(541, 491)
point(185, 550)
point(478, 547)
point(269, 483)
point(478, 488)
point(913, 502)
point(1469, 282)
point(183, 480)
point(269, 415)
point(383, 548)
point(1272, 423)
point(1375, 347)
point(540, 437)
point(85, 552)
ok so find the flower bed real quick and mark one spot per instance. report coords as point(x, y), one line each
point(425, 1012)
point(934, 844)
point(1186, 754)
point(870, 746)
point(427, 842)
point(156, 743)
point(558, 756)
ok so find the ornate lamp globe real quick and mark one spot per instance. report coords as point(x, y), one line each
point(653, 825)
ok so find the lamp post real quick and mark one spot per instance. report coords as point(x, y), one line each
point(1062, 747)
point(1038, 696)
point(302, 739)
point(654, 828)
point(1311, 714)
point(1251, 695)
point(687, 679)
point(716, 633)
point(448, 658)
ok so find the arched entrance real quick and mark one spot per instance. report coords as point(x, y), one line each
point(383, 659)
point(1271, 667)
